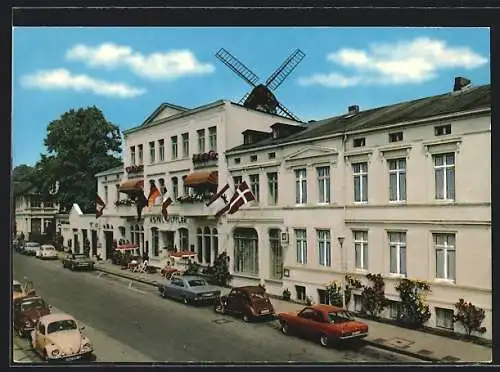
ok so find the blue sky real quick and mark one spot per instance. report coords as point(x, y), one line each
point(128, 72)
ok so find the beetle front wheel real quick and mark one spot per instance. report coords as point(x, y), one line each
point(323, 340)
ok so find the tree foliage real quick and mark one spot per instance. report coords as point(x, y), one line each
point(21, 178)
point(470, 316)
point(79, 144)
point(221, 274)
point(373, 297)
point(414, 309)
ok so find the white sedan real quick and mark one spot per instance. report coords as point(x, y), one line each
point(47, 251)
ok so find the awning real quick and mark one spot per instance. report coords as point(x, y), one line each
point(201, 178)
point(134, 184)
point(183, 254)
point(128, 246)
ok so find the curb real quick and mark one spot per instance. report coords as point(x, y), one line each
point(370, 343)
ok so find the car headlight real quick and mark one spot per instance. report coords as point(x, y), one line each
point(55, 352)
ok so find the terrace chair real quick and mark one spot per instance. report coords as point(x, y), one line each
point(142, 268)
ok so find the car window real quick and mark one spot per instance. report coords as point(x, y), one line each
point(197, 283)
point(62, 325)
point(339, 317)
point(178, 283)
point(258, 295)
point(307, 313)
point(17, 288)
point(35, 304)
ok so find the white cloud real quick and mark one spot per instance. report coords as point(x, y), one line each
point(164, 65)
point(62, 79)
point(403, 62)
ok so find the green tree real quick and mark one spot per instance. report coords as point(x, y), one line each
point(470, 316)
point(21, 179)
point(79, 144)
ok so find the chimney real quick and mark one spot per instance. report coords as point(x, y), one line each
point(354, 109)
point(460, 83)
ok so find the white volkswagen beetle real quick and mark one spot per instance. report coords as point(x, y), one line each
point(47, 251)
point(57, 336)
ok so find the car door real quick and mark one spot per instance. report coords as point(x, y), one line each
point(232, 301)
point(173, 289)
point(305, 321)
point(17, 314)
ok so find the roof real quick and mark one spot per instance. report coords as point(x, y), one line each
point(110, 171)
point(326, 308)
point(54, 317)
point(164, 105)
point(251, 288)
point(449, 103)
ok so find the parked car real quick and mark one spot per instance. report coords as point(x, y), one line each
point(31, 248)
point(21, 290)
point(75, 261)
point(27, 311)
point(57, 336)
point(325, 323)
point(47, 252)
point(250, 302)
point(189, 289)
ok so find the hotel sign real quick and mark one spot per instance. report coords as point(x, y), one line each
point(171, 219)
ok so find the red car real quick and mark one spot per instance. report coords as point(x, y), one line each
point(323, 322)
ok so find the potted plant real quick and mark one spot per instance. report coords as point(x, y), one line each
point(286, 294)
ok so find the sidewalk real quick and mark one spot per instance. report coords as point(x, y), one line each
point(18, 355)
point(413, 343)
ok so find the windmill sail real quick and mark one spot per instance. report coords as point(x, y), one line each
point(237, 67)
point(286, 68)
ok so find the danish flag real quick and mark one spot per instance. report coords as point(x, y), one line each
point(243, 195)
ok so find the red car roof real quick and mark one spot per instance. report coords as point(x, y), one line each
point(326, 308)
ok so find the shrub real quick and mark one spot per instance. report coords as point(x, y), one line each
point(193, 268)
point(373, 297)
point(351, 283)
point(286, 294)
point(221, 275)
point(414, 311)
point(334, 293)
point(470, 316)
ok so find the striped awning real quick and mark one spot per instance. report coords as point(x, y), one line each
point(134, 184)
point(201, 178)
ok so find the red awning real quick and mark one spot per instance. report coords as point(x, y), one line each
point(183, 254)
point(128, 246)
point(201, 178)
point(134, 184)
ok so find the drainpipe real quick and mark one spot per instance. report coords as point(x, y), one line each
point(344, 201)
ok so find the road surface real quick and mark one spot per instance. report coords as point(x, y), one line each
point(129, 322)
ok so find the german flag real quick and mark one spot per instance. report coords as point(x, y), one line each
point(153, 194)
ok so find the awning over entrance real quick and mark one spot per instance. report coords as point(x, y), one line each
point(195, 179)
point(135, 184)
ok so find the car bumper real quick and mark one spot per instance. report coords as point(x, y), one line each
point(354, 336)
point(72, 357)
point(27, 330)
point(205, 299)
point(270, 315)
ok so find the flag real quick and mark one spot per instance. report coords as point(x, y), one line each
point(219, 203)
point(167, 200)
point(153, 194)
point(242, 196)
point(140, 203)
point(99, 206)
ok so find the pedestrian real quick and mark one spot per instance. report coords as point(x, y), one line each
point(145, 256)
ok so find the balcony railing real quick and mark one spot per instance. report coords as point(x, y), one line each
point(207, 159)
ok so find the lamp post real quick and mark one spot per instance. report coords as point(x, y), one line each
point(342, 261)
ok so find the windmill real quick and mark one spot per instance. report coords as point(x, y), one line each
point(261, 96)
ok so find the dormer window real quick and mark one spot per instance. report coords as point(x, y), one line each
point(275, 133)
point(253, 158)
point(442, 130)
point(271, 155)
point(396, 137)
point(358, 142)
point(237, 160)
point(248, 139)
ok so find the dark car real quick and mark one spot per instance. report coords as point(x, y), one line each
point(189, 289)
point(76, 261)
point(27, 311)
point(250, 302)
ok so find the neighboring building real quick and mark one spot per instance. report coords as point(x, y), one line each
point(33, 215)
point(402, 190)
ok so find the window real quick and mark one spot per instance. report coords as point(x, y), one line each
point(140, 157)
point(155, 241)
point(254, 185)
point(323, 297)
point(49, 204)
point(271, 155)
point(237, 181)
point(323, 184)
point(117, 190)
point(300, 186)
point(184, 239)
point(175, 188)
point(276, 254)
point(358, 303)
point(212, 138)
point(324, 249)
point(360, 172)
point(161, 150)
point(394, 309)
point(300, 292)
point(301, 244)
point(106, 194)
point(396, 137)
point(246, 258)
point(201, 140)
point(186, 188)
point(397, 180)
point(151, 152)
point(237, 160)
point(36, 202)
point(272, 181)
point(173, 141)
point(253, 158)
point(442, 130)
point(361, 250)
point(132, 155)
point(397, 247)
point(185, 145)
point(444, 174)
point(444, 318)
point(444, 245)
point(358, 142)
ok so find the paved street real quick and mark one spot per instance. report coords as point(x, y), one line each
point(129, 322)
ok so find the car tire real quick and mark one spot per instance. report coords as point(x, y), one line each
point(285, 329)
point(72, 267)
point(186, 301)
point(21, 333)
point(246, 318)
point(323, 340)
point(219, 308)
point(163, 293)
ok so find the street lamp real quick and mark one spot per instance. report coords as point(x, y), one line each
point(342, 262)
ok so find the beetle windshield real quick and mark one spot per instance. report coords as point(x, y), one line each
point(35, 304)
point(18, 288)
point(62, 325)
point(197, 283)
point(340, 317)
